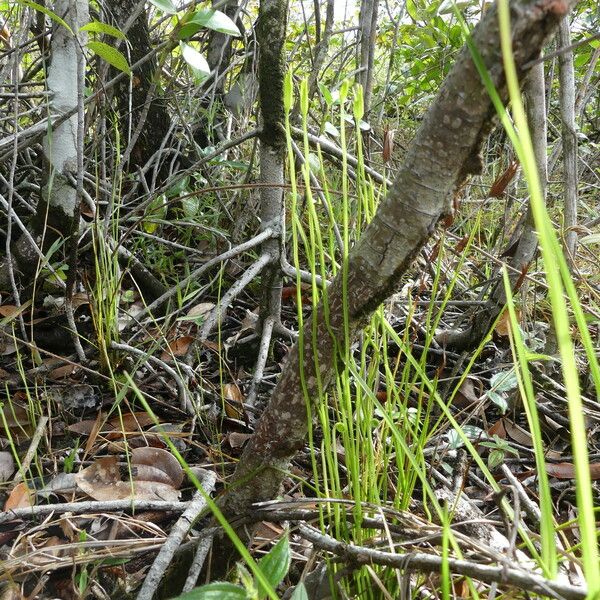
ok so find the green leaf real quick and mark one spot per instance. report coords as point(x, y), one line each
point(191, 206)
point(495, 459)
point(593, 238)
point(275, 564)
point(326, 93)
point(105, 28)
point(196, 61)
point(111, 55)
point(218, 590)
point(157, 209)
point(504, 381)
point(51, 15)
point(208, 19)
point(499, 401)
point(300, 592)
point(411, 9)
point(165, 5)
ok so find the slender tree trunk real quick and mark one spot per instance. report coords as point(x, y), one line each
point(444, 152)
point(569, 137)
point(56, 213)
point(271, 28)
point(321, 49)
point(139, 102)
point(368, 31)
point(218, 55)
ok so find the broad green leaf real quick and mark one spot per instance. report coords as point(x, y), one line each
point(275, 564)
point(448, 6)
point(593, 238)
point(191, 206)
point(300, 592)
point(326, 94)
point(495, 459)
point(111, 55)
point(51, 15)
point(498, 400)
point(157, 209)
point(314, 163)
point(208, 19)
point(411, 9)
point(504, 381)
point(98, 27)
point(218, 590)
point(181, 187)
point(196, 61)
point(165, 5)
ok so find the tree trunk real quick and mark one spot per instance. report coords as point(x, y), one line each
point(270, 31)
point(368, 32)
point(139, 103)
point(444, 152)
point(569, 136)
point(321, 49)
point(218, 54)
point(56, 213)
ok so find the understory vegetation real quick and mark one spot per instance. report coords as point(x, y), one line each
point(299, 300)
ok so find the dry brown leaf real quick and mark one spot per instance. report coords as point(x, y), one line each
point(20, 497)
point(17, 419)
point(7, 466)
point(8, 310)
point(237, 440)
point(518, 434)
point(503, 325)
point(388, 144)
point(128, 423)
point(102, 481)
point(161, 460)
point(566, 470)
point(234, 401)
point(104, 470)
point(498, 429)
point(64, 371)
point(467, 394)
point(499, 186)
point(177, 347)
point(200, 310)
point(84, 427)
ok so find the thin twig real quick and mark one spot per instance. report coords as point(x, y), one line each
point(35, 442)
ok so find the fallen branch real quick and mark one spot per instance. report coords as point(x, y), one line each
point(176, 537)
point(418, 561)
point(90, 506)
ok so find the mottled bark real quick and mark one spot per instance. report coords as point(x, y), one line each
point(443, 153)
point(569, 139)
point(368, 31)
point(270, 32)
